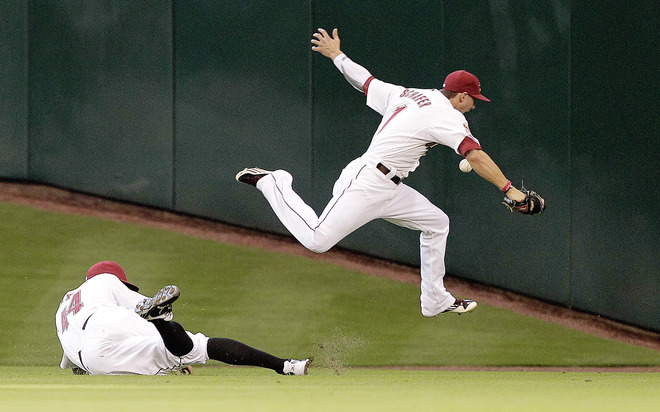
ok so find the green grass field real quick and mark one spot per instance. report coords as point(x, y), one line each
point(251, 389)
point(291, 307)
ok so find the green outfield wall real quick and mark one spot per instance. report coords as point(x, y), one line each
point(161, 102)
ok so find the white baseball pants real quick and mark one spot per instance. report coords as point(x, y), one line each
point(361, 194)
point(119, 342)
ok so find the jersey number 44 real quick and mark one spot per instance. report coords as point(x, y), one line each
point(74, 306)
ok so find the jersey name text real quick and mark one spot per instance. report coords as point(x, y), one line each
point(416, 97)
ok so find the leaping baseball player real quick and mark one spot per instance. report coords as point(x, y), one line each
point(370, 187)
point(106, 327)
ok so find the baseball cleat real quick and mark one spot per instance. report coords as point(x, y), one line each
point(160, 306)
point(461, 306)
point(251, 175)
point(296, 367)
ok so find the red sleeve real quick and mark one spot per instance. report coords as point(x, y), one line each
point(466, 145)
point(366, 85)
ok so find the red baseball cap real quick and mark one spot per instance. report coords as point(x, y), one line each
point(113, 269)
point(461, 81)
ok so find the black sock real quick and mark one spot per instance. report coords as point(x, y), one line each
point(174, 336)
point(237, 353)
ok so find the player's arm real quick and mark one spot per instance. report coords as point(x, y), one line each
point(329, 46)
point(486, 168)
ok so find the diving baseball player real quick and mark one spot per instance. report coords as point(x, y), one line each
point(370, 187)
point(106, 327)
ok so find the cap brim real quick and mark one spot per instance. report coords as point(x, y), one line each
point(480, 97)
point(131, 286)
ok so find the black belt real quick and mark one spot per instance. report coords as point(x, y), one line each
point(385, 170)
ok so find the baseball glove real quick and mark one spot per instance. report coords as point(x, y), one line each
point(532, 204)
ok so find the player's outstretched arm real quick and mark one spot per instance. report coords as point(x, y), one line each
point(326, 44)
point(329, 46)
point(486, 168)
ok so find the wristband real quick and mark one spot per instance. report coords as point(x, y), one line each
point(507, 186)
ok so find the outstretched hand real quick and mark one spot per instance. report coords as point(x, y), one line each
point(532, 204)
point(326, 44)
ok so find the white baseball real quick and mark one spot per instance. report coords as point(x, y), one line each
point(465, 166)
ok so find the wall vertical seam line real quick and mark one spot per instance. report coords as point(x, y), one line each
point(27, 91)
point(569, 266)
point(312, 159)
point(173, 78)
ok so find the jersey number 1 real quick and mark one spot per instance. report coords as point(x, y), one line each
point(396, 111)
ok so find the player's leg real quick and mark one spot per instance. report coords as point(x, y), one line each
point(158, 311)
point(296, 215)
point(237, 353)
point(197, 348)
point(174, 336)
point(412, 210)
point(180, 343)
point(354, 203)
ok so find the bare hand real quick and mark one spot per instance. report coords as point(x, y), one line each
point(515, 194)
point(326, 44)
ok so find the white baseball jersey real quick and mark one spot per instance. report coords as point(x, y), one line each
point(100, 332)
point(414, 120)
